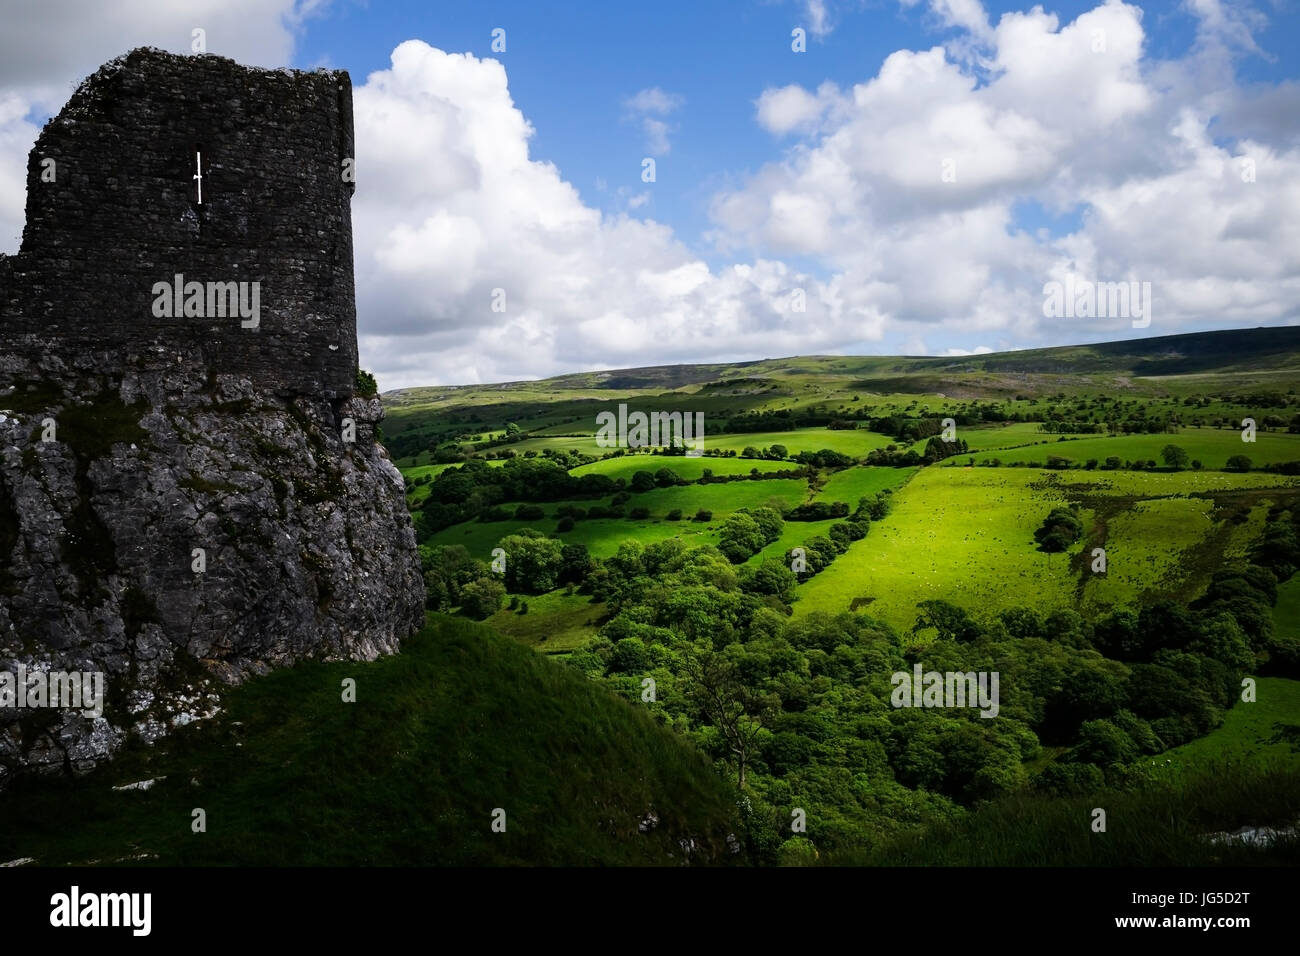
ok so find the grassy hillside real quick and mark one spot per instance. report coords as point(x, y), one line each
point(1250, 733)
point(463, 721)
point(1160, 823)
point(560, 412)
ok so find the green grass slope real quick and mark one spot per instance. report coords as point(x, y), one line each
point(1250, 732)
point(1155, 823)
point(463, 721)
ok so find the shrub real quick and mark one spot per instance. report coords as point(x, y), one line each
point(482, 597)
point(704, 515)
point(367, 387)
point(674, 515)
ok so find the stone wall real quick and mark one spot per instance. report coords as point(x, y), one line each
point(122, 213)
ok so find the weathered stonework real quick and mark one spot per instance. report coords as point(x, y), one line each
point(173, 434)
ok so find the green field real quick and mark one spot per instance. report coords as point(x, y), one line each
point(1246, 732)
point(602, 536)
point(1212, 447)
point(554, 623)
point(1012, 435)
point(855, 442)
point(863, 481)
point(1286, 613)
point(966, 535)
point(688, 468)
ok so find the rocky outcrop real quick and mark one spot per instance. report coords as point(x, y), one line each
point(187, 499)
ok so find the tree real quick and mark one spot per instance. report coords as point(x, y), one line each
point(769, 521)
point(952, 622)
point(1238, 463)
point(1086, 693)
point(1175, 457)
point(575, 564)
point(642, 481)
point(714, 685)
point(533, 562)
point(482, 597)
point(1102, 743)
point(1060, 529)
point(780, 452)
point(739, 537)
point(772, 577)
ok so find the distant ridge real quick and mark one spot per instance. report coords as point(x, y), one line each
point(1224, 351)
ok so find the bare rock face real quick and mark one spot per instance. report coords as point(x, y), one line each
point(191, 492)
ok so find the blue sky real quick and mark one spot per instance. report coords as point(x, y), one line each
point(778, 174)
point(571, 64)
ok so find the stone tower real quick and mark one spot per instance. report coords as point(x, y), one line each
point(113, 201)
point(188, 494)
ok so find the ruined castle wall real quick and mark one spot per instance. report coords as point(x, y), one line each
point(122, 213)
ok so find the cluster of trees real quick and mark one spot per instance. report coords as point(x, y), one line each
point(709, 478)
point(1070, 428)
point(891, 456)
point(643, 481)
point(825, 458)
point(776, 420)
point(459, 494)
point(907, 429)
point(818, 511)
point(534, 564)
point(454, 578)
point(746, 532)
point(774, 453)
point(797, 710)
point(936, 449)
point(1174, 458)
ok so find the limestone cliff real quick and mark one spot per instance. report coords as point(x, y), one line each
point(190, 487)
